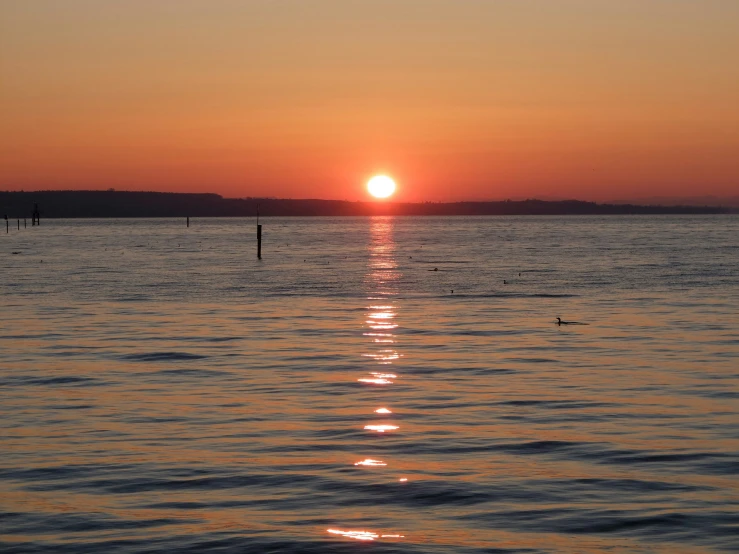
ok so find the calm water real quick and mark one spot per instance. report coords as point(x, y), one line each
point(163, 391)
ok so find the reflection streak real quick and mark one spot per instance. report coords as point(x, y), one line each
point(375, 381)
point(363, 535)
point(357, 535)
point(381, 428)
point(379, 378)
point(379, 326)
point(370, 462)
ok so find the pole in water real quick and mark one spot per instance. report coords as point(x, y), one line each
point(7, 228)
point(259, 236)
point(25, 223)
point(188, 221)
point(19, 224)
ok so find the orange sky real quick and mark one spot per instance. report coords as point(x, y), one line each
point(457, 99)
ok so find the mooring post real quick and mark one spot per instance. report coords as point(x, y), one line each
point(259, 236)
point(188, 221)
point(25, 224)
point(7, 229)
point(19, 224)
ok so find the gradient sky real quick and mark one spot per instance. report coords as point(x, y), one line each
point(456, 99)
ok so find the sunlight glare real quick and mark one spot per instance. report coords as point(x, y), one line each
point(381, 428)
point(371, 462)
point(363, 535)
point(381, 186)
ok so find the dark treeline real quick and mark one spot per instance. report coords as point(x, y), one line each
point(54, 204)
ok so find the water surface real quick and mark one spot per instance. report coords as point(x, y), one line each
point(161, 390)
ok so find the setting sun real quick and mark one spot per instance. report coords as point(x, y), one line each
point(381, 186)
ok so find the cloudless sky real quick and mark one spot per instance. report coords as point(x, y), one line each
point(456, 99)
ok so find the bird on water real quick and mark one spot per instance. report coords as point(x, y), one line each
point(560, 322)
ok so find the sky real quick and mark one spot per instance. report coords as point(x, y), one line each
point(455, 99)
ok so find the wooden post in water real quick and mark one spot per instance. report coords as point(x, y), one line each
point(19, 224)
point(259, 237)
point(188, 221)
point(25, 224)
point(7, 229)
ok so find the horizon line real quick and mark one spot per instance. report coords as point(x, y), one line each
point(647, 201)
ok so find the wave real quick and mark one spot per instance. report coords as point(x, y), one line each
point(161, 357)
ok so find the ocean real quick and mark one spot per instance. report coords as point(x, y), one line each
point(374, 385)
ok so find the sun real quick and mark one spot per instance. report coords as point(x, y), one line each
point(381, 186)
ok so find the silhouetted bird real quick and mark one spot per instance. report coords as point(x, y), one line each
point(560, 322)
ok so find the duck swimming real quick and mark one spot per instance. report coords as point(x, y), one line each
point(560, 322)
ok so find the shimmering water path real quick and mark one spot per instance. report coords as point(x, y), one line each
point(372, 385)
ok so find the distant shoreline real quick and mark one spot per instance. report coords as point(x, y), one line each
point(123, 204)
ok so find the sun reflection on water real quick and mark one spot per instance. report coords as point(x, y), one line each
point(382, 315)
point(363, 535)
point(381, 428)
point(383, 324)
point(382, 338)
point(379, 378)
point(380, 327)
point(370, 462)
point(357, 535)
point(375, 381)
point(384, 356)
